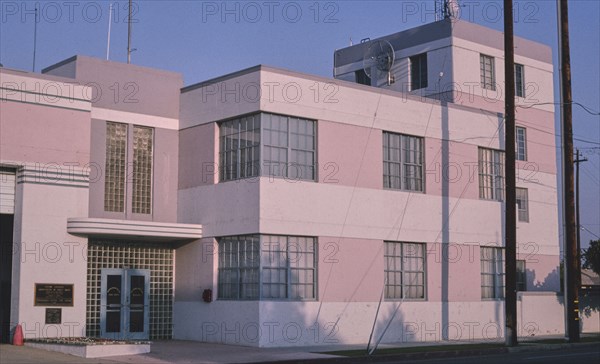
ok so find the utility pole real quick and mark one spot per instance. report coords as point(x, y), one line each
point(579, 159)
point(571, 252)
point(510, 244)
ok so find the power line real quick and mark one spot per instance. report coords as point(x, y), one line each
point(585, 108)
point(584, 228)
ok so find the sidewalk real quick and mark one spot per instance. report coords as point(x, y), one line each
point(176, 351)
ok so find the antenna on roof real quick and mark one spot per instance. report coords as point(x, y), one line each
point(109, 25)
point(35, 21)
point(445, 9)
point(129, 35)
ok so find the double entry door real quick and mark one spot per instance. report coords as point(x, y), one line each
point(124, 304)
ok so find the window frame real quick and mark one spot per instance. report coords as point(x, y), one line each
point(522, 198)
point(520, 143)
point(519, 80)
point(259, 166)
point(497, 273)
point(418, 71)
point(407, 181)
point(402, 258)
point(491, 174)
point(264, 242)
point(488, 82)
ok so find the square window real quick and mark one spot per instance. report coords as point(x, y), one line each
point(404, 270)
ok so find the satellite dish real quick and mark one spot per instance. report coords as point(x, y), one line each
point(378, 60)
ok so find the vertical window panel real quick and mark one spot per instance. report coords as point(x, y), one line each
point(402, 162)
point(418, 71)
point(521, 143)
point(143, 138)
point(491, 174)
point(492, 273)
point(487, 70)
point(522, 197)
point(519, 80)
point(116, 159)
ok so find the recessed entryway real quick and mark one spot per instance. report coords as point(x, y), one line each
point(124, 304)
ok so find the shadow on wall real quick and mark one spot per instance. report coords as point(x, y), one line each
point(551, 283)
point(390, 326)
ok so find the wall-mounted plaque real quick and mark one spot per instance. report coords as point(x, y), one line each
point(51, 294)
point(53, 316)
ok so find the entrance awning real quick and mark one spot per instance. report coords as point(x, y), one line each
point(133, 230)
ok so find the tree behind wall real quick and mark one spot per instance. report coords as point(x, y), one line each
point(591, 256)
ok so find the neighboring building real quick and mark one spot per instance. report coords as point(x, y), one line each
point(273, 208)
point(590, 281)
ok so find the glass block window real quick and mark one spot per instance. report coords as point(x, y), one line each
point(402, 162)
point(487, 68)
point(522, 204)
point(519, 80)
point(492, 273)
point(116, 159)
point(267, 267)
point(418, 71)
point(521, 276)
point(267, 145)
point(404, 270)
point(142, 169)
point(521, 143)
point(491, 174)
point(123, 255)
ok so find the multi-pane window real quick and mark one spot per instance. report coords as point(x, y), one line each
point(491, 174)
point(418, 71)
point(519, 80)
point(404, 270)
point(521, 143)
point(240, 148)
point(402, 162)
point(267, 267)
point(521, 276)
point(116, 160)
point(487, 68)
point(492, 273)
point(268, 145)
point(522, 204)
point(239, 262)
point(142, 169)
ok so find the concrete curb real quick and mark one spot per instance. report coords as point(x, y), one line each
point(526, 347)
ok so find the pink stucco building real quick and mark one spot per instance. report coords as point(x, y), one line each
point(273, 208)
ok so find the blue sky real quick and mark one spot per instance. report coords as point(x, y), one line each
point(205, 39)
